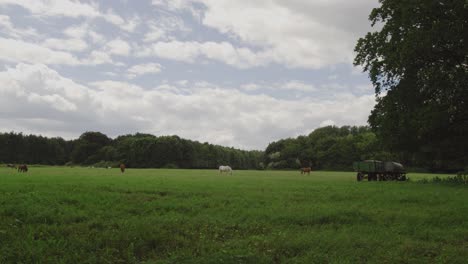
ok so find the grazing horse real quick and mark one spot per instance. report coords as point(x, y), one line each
point(122, 168)
point(306, 170)
point(226, 169)
point(23, 168)
point(13, 166)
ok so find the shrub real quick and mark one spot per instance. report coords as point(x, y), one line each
point(106, 164)
point(460, 178)
point(170, 166)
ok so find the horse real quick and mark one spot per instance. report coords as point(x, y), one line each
point(306, 170)
point(226, 169)
point(122, 168)
point(23, 168)
point(13, 166)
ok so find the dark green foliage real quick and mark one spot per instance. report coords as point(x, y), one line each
point(460, 178)
point(418, 63)
point(331, 148)
point(137, 151)
point(86, 148)
point(31, 149)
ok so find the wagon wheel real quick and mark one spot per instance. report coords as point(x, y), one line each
point(384, 176)
point(359, 176)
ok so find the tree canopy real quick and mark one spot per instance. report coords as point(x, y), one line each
point(137, 151)
point(417, 61)
point(329, 148)
point(325, 148)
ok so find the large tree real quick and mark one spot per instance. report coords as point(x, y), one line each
point(417, 60)
point(86, 148)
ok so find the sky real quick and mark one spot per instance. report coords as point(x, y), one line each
point(238, 73)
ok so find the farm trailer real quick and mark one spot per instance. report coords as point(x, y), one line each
point(375, 170)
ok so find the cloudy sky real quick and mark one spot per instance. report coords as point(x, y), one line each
point(236, 73)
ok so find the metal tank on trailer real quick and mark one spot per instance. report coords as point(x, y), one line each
point(376, 170)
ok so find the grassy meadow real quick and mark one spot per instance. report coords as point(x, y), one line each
point(90, 215)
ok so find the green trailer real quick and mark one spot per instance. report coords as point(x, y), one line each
point(376, 170)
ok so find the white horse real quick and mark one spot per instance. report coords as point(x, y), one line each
point(226, 169)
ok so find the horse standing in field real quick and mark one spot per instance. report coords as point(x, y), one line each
point(306, 170)
point(226, 169)
point(13, 166)
point(122, 168)
point(23, 168)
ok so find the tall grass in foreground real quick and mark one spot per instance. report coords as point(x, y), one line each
point(83, 215)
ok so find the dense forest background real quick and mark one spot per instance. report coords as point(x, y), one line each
point(326, 148)
point(137, 151)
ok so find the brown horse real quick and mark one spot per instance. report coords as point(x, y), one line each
point(122, 168)
point(306, 170)
point(23, 168)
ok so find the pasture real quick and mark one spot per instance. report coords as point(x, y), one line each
point(84, 215)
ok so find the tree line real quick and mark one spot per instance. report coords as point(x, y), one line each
point(336, 148)
point(137, 151)
point(326, 148)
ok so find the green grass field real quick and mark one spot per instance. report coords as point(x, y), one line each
point(84, 215)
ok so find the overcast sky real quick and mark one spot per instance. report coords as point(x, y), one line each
point(237, 73)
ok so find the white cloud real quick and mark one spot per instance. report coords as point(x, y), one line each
point(142, 69)
point(172, 4)
point(292, 85)
point(118, 47)
point(182, 83)
point(83, 31)
point(327, 122)
point(56, 101)
point(9, 29)
point(15, 51)
point(192, 51)
point(131, 24)
point(112, 74)
point(96, 37)
point(298, 86)
point(32, 87)
point(250, 87)
point(111, 17)
point(65, 44)
point(155, 33)
point(19, 51)
point(178, 5)
point(98, 57)
point(309, 34)
point(77, 32)
point(164, 28)
point(74, 9)
point(199, 111)
point(128, 25)
point(297, 33)
point(66, 8)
